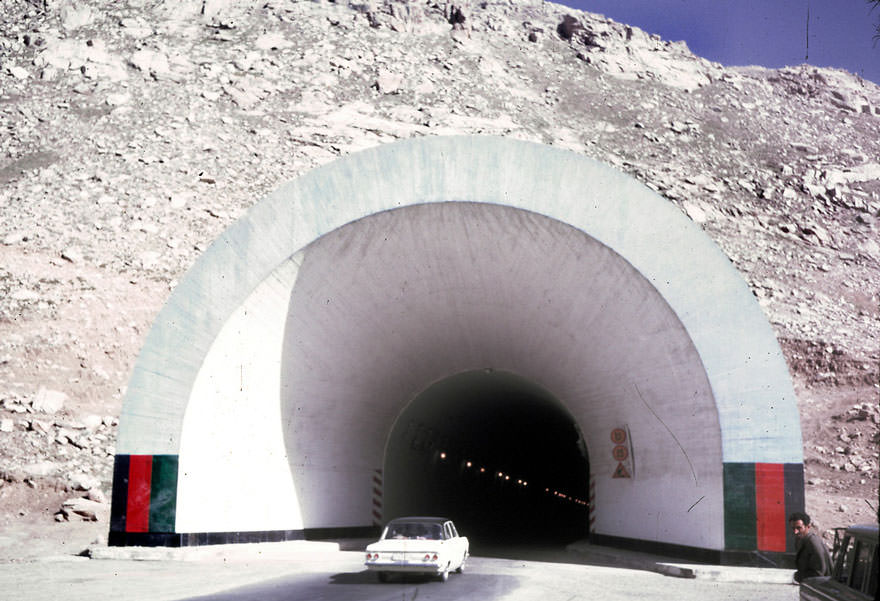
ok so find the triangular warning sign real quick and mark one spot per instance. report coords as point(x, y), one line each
point(620, 472)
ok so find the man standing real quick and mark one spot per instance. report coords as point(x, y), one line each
point(811, 557)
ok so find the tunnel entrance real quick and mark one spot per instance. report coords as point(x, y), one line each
point(496, 453)
point(282, 379)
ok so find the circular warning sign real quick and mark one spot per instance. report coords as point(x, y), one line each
point(620, 453)
point(618, 436)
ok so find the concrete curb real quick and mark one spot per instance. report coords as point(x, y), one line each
point(725, 573)
point(652, 563)
point(299, 550)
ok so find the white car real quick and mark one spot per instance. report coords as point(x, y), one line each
point(425, 545)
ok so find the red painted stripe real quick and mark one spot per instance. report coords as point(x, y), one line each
point(137, 515)
point(770, 506)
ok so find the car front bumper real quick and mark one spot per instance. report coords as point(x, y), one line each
point(420, 567)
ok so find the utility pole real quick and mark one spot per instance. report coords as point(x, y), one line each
point(807, 55)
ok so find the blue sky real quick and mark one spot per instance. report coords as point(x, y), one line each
point(771, 33)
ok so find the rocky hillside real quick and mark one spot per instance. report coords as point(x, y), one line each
point(134, 132)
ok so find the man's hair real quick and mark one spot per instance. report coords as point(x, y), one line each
point(799, 515)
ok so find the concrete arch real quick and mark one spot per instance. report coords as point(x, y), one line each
point(280, 361)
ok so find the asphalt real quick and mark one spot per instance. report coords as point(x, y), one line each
point(579, 552)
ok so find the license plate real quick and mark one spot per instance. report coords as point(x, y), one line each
point(397, 557)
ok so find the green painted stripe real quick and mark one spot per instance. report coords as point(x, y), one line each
point(163, 499)
point(740, 510)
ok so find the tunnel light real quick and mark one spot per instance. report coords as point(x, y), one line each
point(500, 474)
point(525, 483)
point(482, 470)
point(442, 455)
point(519, 481)
point(507, 477)
point(469, 464)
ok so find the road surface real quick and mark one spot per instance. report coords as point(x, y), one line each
point(341, 577)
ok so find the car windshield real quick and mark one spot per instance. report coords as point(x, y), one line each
point(414, 530)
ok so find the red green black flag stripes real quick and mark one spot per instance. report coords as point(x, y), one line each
point(758, 497)
point(144, 493)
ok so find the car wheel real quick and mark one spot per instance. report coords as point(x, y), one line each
point(460, 568)
point(383, 576)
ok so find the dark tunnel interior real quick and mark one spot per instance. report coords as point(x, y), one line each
point(497, 454)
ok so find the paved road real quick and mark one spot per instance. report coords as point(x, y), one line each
point(340, 577)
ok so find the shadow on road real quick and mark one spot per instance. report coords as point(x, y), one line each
point(368, 577)
point(574, 552)
point(364, 577)
point(579, 554)
point(365, 586)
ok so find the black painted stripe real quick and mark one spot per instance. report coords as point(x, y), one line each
point(195, 539)
point(119, 493)
point(794, 497)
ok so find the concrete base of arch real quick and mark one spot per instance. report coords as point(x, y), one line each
point(270, 386)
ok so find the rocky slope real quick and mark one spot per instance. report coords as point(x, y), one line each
point(134, 132)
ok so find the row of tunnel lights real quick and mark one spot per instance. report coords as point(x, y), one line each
point(521, 482)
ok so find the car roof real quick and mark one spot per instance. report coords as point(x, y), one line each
point(427, 519)
point(869, 531)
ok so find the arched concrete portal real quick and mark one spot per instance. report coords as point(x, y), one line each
point(266, 391)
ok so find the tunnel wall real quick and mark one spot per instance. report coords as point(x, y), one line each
point(204, 447)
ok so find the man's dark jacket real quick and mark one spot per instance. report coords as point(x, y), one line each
point(812, 558)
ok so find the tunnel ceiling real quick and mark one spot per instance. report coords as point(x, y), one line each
point(387, 305)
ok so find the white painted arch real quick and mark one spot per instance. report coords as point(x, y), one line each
point(280, 361)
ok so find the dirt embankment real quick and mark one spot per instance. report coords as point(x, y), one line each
point(135, 132)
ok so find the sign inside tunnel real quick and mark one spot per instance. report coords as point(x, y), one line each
point(621, 453)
